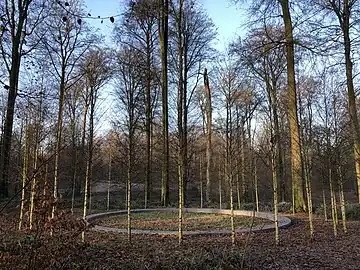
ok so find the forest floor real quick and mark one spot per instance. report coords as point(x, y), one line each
point(168, 221)
point(103, 250)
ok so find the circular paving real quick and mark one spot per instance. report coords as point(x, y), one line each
point(283, 221)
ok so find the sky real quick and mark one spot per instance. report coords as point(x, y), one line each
point(227, 17)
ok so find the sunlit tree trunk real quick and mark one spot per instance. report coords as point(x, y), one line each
point(238, 188)
point(34, 177)
point(324, 205)
point(256, 185)
point(293, 117)
point(275, 193)
point(333, 203)
point(109, 182)
point(309, 195)
point(243, 162)
point(342, 198)
point(24, 173)
point(201, 182)
point(220, 184)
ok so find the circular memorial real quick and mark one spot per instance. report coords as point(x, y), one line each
point(196, 221)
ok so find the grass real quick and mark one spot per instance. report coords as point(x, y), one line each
point(191, 221)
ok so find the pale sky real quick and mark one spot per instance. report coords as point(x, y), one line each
point(227, 17)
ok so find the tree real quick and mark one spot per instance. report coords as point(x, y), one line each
point(345, 12)
point(19, 20)
point(97, 69)
point(197, 32)
point(208, 110)
point(163, 25)
point(139, 29)
point(261, 53)
point(296, 160)
point(129, 94)
point(66, 42)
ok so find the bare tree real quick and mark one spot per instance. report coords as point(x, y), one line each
point(20, 20)
point(129, 94)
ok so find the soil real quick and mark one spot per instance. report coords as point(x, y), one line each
point(104, 250)
point(191, 221)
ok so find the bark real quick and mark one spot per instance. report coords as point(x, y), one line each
point(163, 36)
point(333, 203)
point(34, 180)
point(324, 205)
point(220, 185)
point(24, 174)
point(180, 121)
point(280, 166)
point(208, 109)
point(309, 195)
point(342, 198)
point(89, 164)
point(128, 189)
point(75, 160)
point(307, 161)
point(256, 185)
point(109, 183)
point(201, 183)
point(228, 163)
point(242, 155)
point(238, 190)
point(351, 91)
point(16, 30)
point(296, 161)
point(59, 135)
point(275, 193)
point(148, 186)
point(83, 134)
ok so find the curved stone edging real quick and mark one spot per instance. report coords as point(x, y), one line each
point(283, 221)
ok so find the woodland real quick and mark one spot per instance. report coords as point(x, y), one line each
point(161, 119)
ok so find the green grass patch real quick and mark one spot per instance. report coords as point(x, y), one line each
point(191, 221)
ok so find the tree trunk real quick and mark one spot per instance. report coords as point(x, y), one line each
point(128, 189)
point(256, 185)
point(109, 183)
point(275, 192)
point(201, 183)
point(208, 137)
point(220, 184)
point(345, 23)
point(24, 174)
point(16, 30)
point(163, 35)
point(58, 136)
point(75, 160)
point(89, 165)
point(342, 198)
point(324, 205)
point(148, 186)
point(293, 117)
point(34, 180)
point(333, 203)
point(180, 120)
